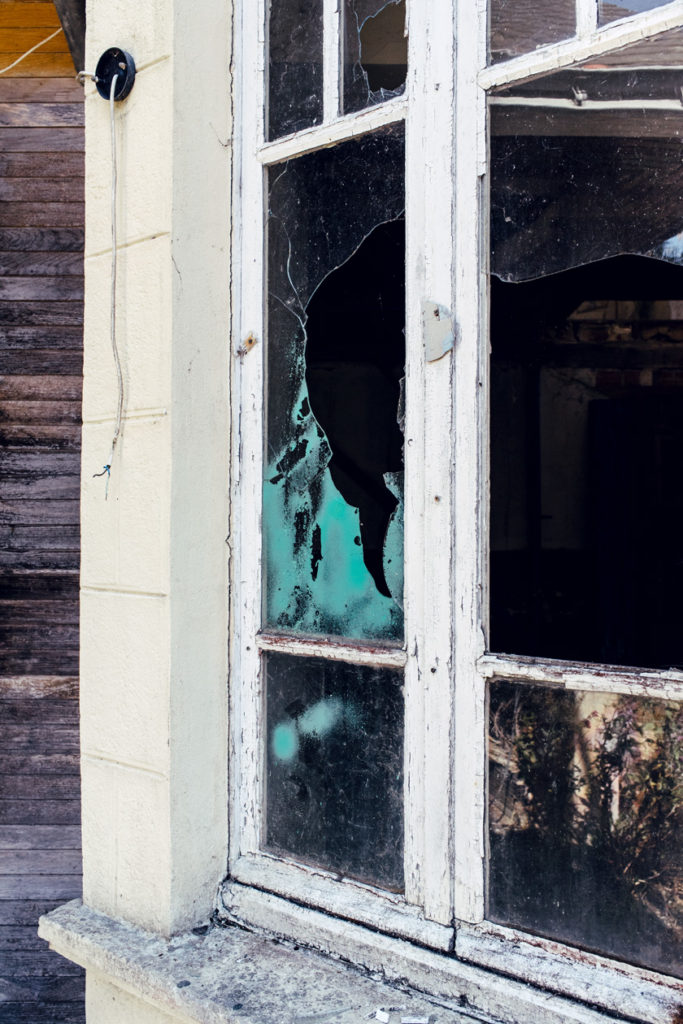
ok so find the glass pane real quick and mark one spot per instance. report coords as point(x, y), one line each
point(521, 26)
point(335, 766)
point(586, 820)
point(295, 66)
point(612, 10)
point(587, 374)
point(333, 489)
point(375, 52)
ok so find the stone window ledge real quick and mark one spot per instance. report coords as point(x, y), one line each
point(231, 975)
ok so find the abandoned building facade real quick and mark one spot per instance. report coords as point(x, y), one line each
point(381, 561)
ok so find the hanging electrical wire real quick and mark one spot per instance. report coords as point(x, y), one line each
point(112, 312)
point(28, 52)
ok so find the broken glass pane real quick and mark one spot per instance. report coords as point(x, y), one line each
point(587, 367)
point(335, 766)
point(295, 66)
point(521, 26)
point(333, 488)
point(375, 52)
point(586, 820)
point(612, 10)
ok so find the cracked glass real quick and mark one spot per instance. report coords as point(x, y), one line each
point(333, 487)
point(521, 26)
point(295, 66)
point(587, 362)
point(334, 784)
point(586, 820)
point(375, 52)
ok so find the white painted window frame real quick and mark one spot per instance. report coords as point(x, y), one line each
point(447, 667)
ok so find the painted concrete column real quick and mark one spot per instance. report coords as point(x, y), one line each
point(154, 564)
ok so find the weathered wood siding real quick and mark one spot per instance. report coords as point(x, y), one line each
point(41, 313)
point(40, 845)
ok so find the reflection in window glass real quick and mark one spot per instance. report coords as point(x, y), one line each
point(335, 767)
point(295, 65)
point(521, 26)
point(586, 820)
point(612, 10)
point(333, 488)
point(587, 372)
point(375, 52)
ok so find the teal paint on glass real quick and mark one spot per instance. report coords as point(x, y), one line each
point(325, 209)
point(285, 741)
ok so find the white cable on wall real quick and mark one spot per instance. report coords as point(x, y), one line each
point(112, 312)
point(28, 52)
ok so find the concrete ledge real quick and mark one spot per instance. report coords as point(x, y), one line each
point(231, 975)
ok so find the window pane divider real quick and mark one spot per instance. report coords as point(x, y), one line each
point(570, 675)
point(331, 60)
point(561, 55)
point(319, 137)
point(333, 650)
point(586, 18)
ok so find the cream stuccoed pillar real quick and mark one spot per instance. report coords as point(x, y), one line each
point(154, 620)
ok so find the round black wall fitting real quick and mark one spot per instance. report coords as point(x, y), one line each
point(115, 61)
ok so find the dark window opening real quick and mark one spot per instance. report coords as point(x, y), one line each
point(587, 464)
point(355, 356)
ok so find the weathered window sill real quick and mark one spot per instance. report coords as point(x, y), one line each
point(231, 975)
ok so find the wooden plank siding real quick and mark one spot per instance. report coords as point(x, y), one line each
point(41, 314)
point(41, 323)
point(40, 846)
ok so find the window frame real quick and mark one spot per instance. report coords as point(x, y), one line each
point(445, 658)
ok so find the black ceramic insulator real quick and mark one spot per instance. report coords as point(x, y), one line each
point(115, 62)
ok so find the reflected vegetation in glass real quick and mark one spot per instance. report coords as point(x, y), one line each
point(335, 767)
point(613, 10)
point(587, 363)
point(333, 488)
point(586, 820)
point(521, 26)
point(295, 65)
point(375, 52)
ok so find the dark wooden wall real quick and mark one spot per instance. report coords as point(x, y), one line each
point(41, 312)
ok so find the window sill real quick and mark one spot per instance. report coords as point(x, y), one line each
point(230, 974)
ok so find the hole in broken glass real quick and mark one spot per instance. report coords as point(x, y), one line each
point(376, 52)
point(355, 355)
point(384, 48)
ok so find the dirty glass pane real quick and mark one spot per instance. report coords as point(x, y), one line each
point(612, 10)
point(521, 26)
point(333, 488)
point(587, 371)
point(335, 766)
point(586, 820)
point(375, 60)
point(295, 65)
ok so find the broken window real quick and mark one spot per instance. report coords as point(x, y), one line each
point(295, 65)
point(521, 26)
point(586, 820)
point(587, 365)
point(335, 766)
point(375, 52)
point(333, 488)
